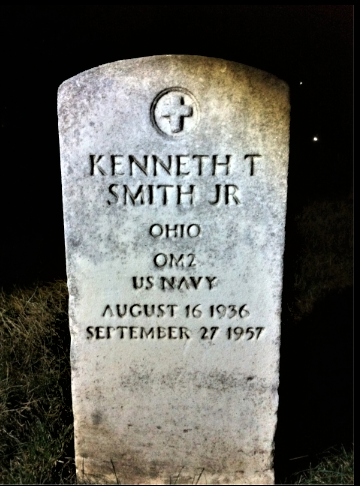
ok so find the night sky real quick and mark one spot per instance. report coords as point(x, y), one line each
point(308, 46)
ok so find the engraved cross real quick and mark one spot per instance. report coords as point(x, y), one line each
point(176, 110)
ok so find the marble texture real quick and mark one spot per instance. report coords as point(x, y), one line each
point(174, 178)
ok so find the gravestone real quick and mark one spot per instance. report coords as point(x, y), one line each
point(174, 176)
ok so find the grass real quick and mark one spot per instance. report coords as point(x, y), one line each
point(35, 399)
point(323, 259)
point(335, 467)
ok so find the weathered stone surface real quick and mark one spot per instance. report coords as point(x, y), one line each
point(174, 173)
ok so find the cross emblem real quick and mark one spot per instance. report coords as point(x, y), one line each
point(176, 110)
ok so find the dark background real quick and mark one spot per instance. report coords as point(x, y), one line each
point(308, 46)
point(44, 45)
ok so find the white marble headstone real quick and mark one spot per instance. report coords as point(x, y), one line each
point(174, 176)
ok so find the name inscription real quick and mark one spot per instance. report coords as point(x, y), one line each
point(175, 166)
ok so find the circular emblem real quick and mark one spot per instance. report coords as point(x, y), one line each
point(175, 112)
